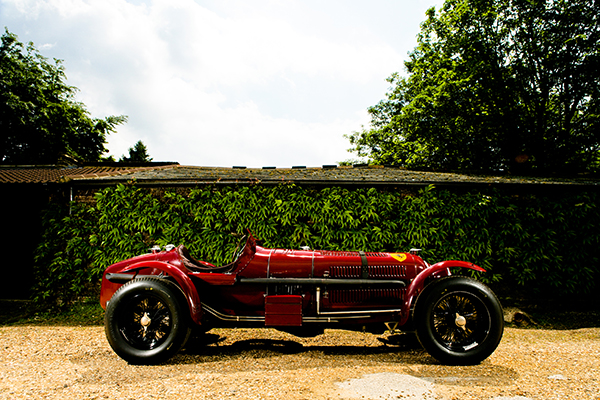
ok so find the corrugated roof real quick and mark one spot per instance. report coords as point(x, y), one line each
point(22, 174)
point(328, 175)
point(175, 174)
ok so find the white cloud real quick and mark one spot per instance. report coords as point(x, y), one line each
point(221, 82)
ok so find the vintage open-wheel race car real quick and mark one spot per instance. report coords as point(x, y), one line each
point(153, 301)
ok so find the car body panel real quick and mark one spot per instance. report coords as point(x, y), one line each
point(152, 301)
point(318, 286)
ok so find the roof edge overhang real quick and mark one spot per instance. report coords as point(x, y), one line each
point(323, 183)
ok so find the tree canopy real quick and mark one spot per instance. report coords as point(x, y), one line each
point(40, 121)
point(495, 85)
point(138, 153)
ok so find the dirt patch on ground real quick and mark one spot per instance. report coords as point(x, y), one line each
point(77, 363)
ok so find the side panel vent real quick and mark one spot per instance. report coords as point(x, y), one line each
point(345, 271)
point(375, 271)
point(327, 253)
point(356, 296)
point(387, 271)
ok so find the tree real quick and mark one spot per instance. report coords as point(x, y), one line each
point(40, 121)
point(495, 85)
point(138, 153)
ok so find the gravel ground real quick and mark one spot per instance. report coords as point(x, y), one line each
point(77, 363)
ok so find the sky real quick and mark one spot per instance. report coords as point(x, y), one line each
point(226, 82)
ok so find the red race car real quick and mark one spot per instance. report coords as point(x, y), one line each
point(153, 301)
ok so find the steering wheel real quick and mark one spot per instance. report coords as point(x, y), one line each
point(239, 249)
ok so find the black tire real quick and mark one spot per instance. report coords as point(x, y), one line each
point(459, 321)
point(146, 321)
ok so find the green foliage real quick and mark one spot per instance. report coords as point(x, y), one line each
point(138, 153)
point(40, 119)
point(534, 242)
point(495, 85)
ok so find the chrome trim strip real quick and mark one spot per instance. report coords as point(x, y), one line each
point(237, 318)
point(318, 299)
point(322, 317)
point(359, 312)
point(269, 263)
point(329, 319)
point(268, 270)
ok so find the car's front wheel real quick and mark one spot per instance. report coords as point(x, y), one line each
point(146, 322)
point(459, 321)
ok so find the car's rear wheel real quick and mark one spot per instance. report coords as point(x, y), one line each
point(459, 321)
point(146, 321)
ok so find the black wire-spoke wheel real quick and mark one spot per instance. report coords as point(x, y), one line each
point(146, 321)
point(459, 320)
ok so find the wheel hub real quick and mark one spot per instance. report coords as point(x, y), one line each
point(145, 322)
point(461, 322)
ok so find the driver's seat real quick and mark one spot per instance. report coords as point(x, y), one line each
point(201, 266)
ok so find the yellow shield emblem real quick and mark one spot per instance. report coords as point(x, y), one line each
point(399, 256)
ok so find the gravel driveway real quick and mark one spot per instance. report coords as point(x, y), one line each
point(77, 363)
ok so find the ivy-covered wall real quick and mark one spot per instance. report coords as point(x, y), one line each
point(529, 243)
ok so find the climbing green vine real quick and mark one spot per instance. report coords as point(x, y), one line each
point(546, 245)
